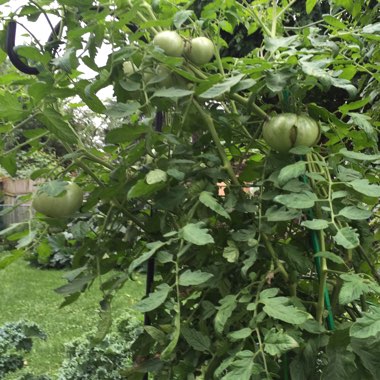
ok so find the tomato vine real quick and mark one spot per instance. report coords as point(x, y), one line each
point(277, 276)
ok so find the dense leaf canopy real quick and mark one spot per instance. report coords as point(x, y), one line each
point(266, 262)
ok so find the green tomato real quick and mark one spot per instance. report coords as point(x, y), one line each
point(284, 131)
point(170, 42)
point(61, 206)
point(200, 50)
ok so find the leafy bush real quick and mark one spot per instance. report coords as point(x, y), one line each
point(88, 358)
point(55, 251)
point(16, 339)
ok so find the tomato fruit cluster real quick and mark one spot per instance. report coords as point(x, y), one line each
point(61, 206)
point(199, 50)
point(285, 131)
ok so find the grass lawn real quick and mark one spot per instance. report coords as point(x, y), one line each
point(28, 293)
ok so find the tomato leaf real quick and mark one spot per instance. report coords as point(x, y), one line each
point(368, 325)
point(172, 92)
point(227, 306)
point(278, 308)
point(221, 88)
point(291, 171)
point(347, 237)
point(196, 339)
point(56, 124)
point(277, 343)
point(196, 234)
point(281, 214)
point(154, 300)
point(355, 213)
point(354, 286)
point(189, 278)
point(315, 224)
point(209, 201)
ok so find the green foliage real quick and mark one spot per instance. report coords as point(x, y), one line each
point(265, 261)
point(104, 361)
point(16, 339)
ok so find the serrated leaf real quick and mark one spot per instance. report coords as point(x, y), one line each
point(364, 187)
point(220, 88)
point(153, 248)
point(345, 108)
point(76, 286)
point(372, 28)
point(11, 107)
point(193, 278)
point(143, 189)
point(180, 17)
point(347, 238)
point(339, 194)
point(315, 224)
point(196, 339)
point(359, 156)
point(209, 201)
point(297, 200)
point(367, 326)
point(355, 213)
point(154, 300)
point(269, 293)
point(155, 333)
point(354, 286)
point(121, 110)
point(172, 92)
point(125, 134)
point(240, 334)
point(333, 21)
point(281, 214)
point(277, 343)
point(156, 176)
point(278, 308)
point(231, 252)
point(291, 171)
point(330, 256)
point(26, 240)
point(273, 44)
point(196, 234)
point(363, 122)
point(227, 306)
point(56, 124)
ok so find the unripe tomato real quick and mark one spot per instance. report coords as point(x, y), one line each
point(200, 50)
point(61, 206)
point(284, 131)
point(170, 42)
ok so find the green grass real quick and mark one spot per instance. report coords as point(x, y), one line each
point(28, 293)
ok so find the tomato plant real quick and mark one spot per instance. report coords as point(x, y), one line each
point(280, 281)
point(199, 50)
point(287, 130)
point(58, 204)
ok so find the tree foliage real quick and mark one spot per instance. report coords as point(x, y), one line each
point(280, 281)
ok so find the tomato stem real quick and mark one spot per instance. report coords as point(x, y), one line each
point(274, 256)
point(256, 108)
point(211, 127)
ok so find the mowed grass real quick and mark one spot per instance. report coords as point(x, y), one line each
point(28, 293)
